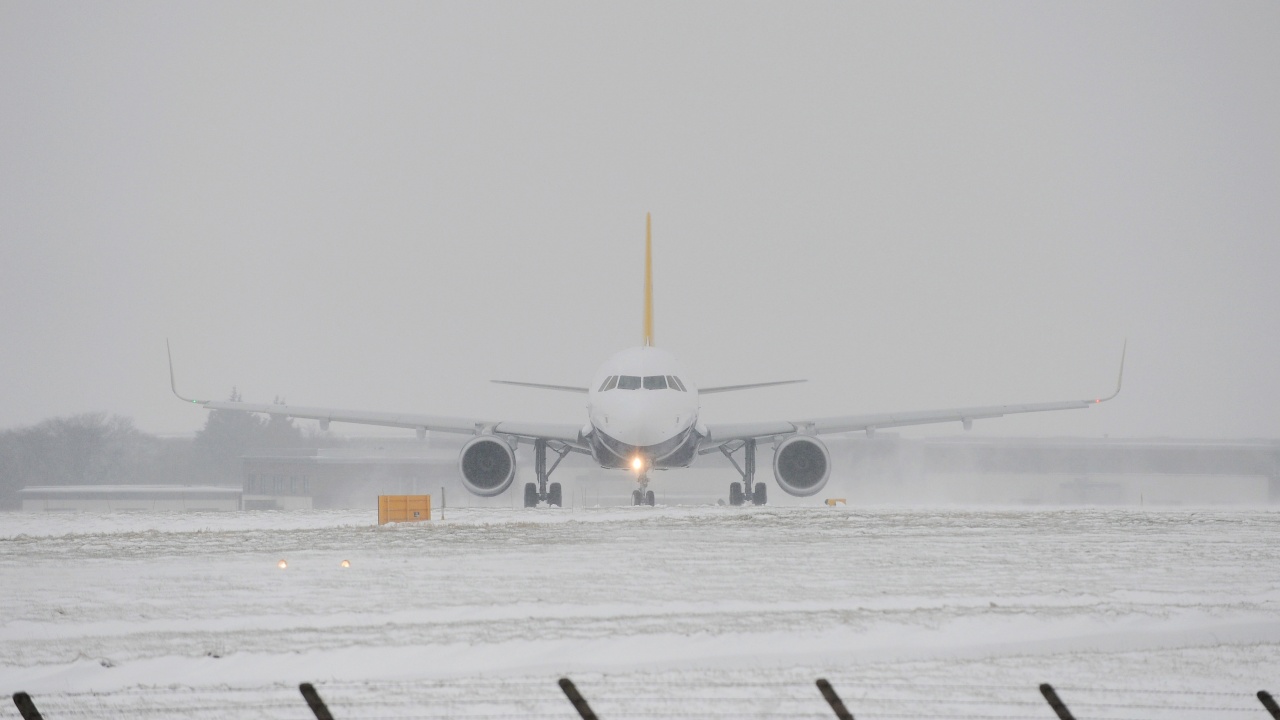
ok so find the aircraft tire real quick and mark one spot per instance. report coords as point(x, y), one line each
point(648, 498)
point(635, 497)
point(530, 495)
point(760, 495)
point(735, 494)
point(555, 496)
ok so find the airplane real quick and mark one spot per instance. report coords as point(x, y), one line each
point(643, 415)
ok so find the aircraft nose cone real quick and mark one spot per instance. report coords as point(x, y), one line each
point(641, 429)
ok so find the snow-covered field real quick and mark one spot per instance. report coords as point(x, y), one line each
point(666, 612)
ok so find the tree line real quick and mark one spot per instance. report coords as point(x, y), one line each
point(102, 449)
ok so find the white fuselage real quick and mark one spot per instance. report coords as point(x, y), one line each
point(642, 407)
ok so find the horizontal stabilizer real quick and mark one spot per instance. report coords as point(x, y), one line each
point(730, 388)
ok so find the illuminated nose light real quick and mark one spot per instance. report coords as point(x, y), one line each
point(346, 563)
point(282, 564)
point(637, 463)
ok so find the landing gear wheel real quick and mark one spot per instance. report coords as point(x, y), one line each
point(636, 497)
point(648, 498)
point(533, 494)
point(759, 496)
point(754, 492)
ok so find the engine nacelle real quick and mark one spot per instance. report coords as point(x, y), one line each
point(488, 465)
point(801, 465)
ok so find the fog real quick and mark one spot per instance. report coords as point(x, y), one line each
point(912, 206)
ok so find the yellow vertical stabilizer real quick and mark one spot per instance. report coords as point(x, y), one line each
point(648, 280)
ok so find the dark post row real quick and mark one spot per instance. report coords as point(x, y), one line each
point(29, 712)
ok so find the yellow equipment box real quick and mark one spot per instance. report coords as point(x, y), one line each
point(403, 508)
point(832, 502)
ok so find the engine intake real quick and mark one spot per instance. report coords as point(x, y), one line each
point(488, 466)
point(801, 465)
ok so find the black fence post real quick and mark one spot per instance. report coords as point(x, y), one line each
point(1055, 702)
point(837, 705)
point(314, 702)
point(26, 707)
point(575, 697)
point(1269, 703)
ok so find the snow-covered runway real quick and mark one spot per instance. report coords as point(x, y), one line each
point(654, 612)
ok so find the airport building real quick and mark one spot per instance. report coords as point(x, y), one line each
point(129, 498)
point(1064, 471)
point(353, 475)
point(886, 469)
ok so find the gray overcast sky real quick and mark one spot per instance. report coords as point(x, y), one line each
point(384, 206)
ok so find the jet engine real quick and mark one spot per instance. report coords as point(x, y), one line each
point(488, 465)
point(801, 465)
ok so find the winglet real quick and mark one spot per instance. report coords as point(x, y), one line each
point(173, 385)
point(1120, 380)
point(648, 280)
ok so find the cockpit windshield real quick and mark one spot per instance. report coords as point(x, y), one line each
point(628, 382)
point(648, 382)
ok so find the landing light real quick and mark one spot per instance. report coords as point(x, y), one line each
point(637, 463)
point(282, 564)
point(346, 563)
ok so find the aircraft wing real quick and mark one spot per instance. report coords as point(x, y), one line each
point(359, 417)
point(438, 423)
point(720, 434)
point(562, 432)
point(849, 423)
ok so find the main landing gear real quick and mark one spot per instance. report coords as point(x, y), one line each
point(741, 493)
point(534, 494)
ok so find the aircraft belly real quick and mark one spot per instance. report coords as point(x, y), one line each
point(677, 451)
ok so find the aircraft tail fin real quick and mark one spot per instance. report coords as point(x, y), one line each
point(648, 280)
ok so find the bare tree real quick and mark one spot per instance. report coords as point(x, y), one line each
point(88, 449)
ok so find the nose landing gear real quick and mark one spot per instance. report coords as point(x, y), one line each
point(740, 493)
point(642, 495)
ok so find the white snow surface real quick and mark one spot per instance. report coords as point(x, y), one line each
point(654, 612)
